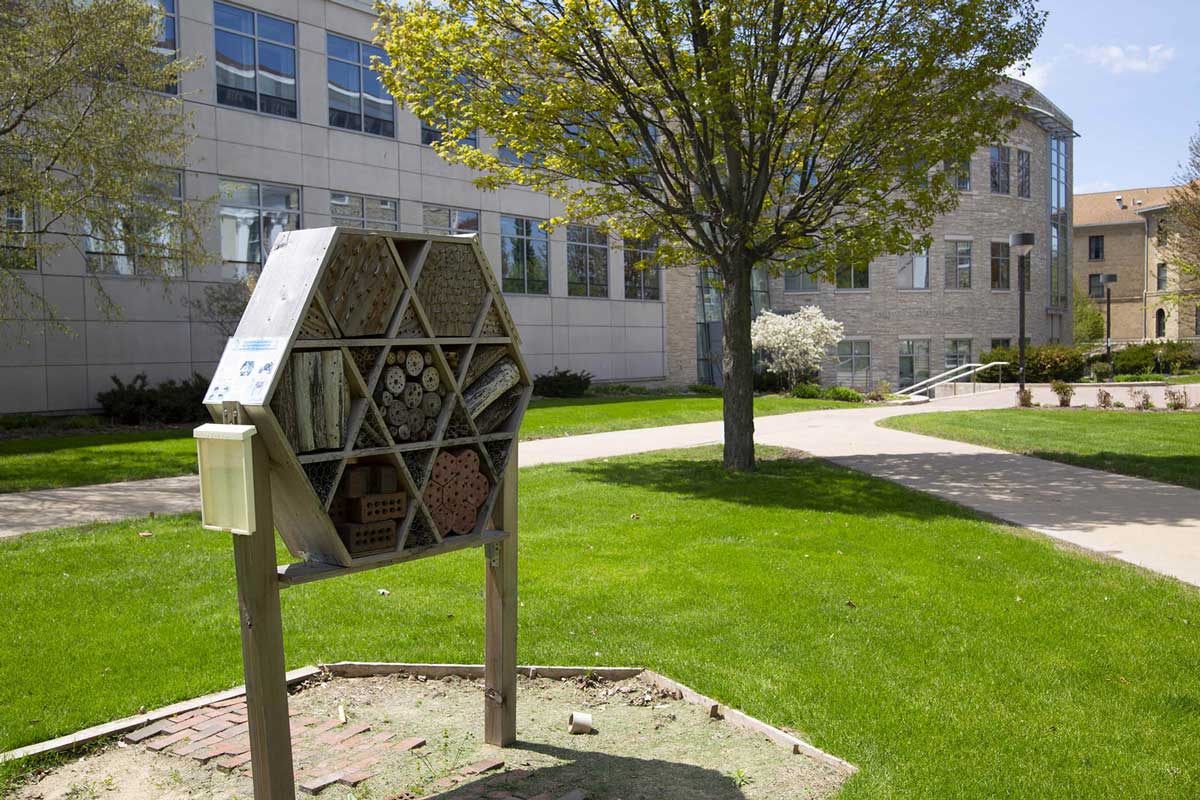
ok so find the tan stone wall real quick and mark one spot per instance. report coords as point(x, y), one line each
point(679, 287)
point(1124, 256)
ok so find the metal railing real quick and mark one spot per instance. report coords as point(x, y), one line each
point(927, 386)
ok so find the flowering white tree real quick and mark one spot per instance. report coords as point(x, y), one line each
point(793, 344)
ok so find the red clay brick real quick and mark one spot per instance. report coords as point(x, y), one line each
point(409, 744)
point(356, 777)
point(188, 748)
point(236, 730)
point(315, 785)
point(141, 734)
point(333, 737)
point(213, 727)
point(486, 765)
point(163, 742)
point(233, 762)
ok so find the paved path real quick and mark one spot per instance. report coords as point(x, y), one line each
point(1147, 523)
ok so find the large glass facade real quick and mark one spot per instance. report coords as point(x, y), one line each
point(710, 327)
point(1060, 223)
point(256, 60)
point(251, 216)
point(357, 99)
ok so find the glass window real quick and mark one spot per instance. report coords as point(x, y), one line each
point(799, 280)
point(1160, 324)
point(914, 361)
point(14, 239)
point(256, 61)
point(363, 212)
point(440, 219)
point(854, 363)
point(1000, 169)
point(125, 246)
point(1095, 285)
point(167, 45)
point(524, 255)
point(1095, 248)
point(854, 276)
point(958, 265)
point(912, 270)
point(587, 261)
point(1196, 322)
point(251, 216)
point(959, 174)
point(357, 99)
point(1160, 278)
point(1001, 261)
point(1001, 343)
point(643, 278)
point(1060, 225)
point(1024, 184)
point(958, 352)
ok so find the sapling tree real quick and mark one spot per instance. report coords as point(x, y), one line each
point(794, 345)
point(787, 133)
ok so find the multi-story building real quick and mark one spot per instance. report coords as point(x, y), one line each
point(293, 129)
point(1125, 233)
point(912, 315)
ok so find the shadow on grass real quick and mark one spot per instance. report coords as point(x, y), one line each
point(780, 482)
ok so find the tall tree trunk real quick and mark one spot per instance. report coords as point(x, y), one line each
point(737, 369)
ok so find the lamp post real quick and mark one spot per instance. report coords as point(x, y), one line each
point(1021, 244)
point(1107, 281)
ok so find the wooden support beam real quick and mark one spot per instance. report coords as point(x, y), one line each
point(262, 644)
point(500, 635)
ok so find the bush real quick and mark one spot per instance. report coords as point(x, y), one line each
point(1024, 398)
point(1175, 357)
point(770, 382)
point(1065, 392)
point(562, 383)
point(1102, 371)
point(1104, 398)
point(1142, 377)
point(880, 393)
point(138, 403)
point(806, 391)
point(706, 389)
point(1137, 359)
point(1043, 363)
point(1176, 399)
point(1140, 399)
point(841, 394)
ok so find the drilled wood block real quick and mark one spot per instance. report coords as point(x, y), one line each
point(451, 289)
point(314, 325)
point(361, 286)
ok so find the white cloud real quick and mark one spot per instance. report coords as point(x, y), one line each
point(1035, 73)
point(1119, 59)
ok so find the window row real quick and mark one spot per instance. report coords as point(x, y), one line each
point(999, 171)
point(912, 270)
point(853, 364)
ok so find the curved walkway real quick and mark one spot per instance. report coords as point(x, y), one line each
point(1150, 524)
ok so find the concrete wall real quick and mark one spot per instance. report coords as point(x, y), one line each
point(158, 332)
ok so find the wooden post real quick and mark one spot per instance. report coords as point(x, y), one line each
point(262, 644)
point(500, 637)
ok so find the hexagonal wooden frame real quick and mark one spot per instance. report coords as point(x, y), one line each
point(301, 298)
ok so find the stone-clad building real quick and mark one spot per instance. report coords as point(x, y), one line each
point(913, 315)
point(1123, 233)
point(293, 130)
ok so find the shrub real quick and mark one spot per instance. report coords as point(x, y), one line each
point(137, 403)
point(1140, 399)
point(1065, 392)
point(1104, 398)
point(806, 391)
point(1102, 371)
point(706, 389)
point(770, 382)
point(1175, 357)
point(1118, 404)
point(1176, 399)
point(842, 394)
point(1024, 398)
point(880, 393)
point(1043, 363)
point(562, 383)
point(1139, 378)
point(1137, 359)
point(793, 345)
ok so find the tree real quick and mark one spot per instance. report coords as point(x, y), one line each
point(1183, 242)
point(88, 124)
point(786, 133)
point(1088, 319)
point(793, 345)
point(222, 304)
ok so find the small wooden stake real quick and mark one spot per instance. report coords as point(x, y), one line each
point(500, 635)
point(262, 644)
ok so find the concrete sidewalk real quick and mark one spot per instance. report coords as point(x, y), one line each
point(1154, 525)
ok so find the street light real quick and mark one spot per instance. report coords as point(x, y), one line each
point(1107, 281)
point(1022, 245)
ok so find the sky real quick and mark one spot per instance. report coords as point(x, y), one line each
point(1128, 73)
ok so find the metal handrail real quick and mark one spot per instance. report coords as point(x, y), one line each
point(949, 376)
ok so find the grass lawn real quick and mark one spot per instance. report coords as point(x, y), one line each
point(1162, 447)
point(55, 461)
point(947, 656)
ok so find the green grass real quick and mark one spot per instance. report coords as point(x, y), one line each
point(947, 656)
point(55, 461)
point(568, 417)
point(1161, 447)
